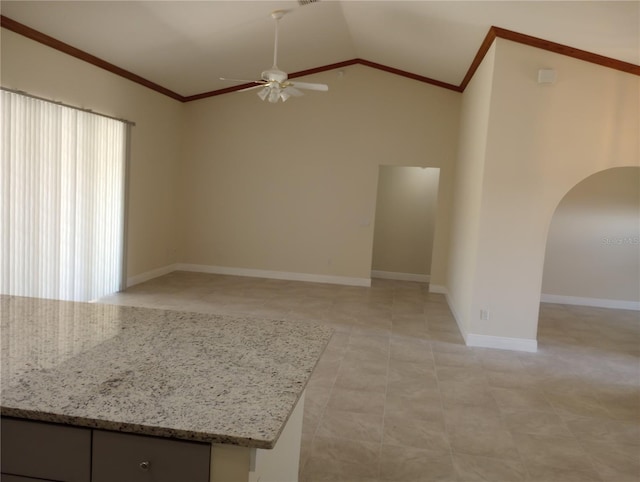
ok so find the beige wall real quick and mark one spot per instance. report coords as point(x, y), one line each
point(542, 140)
point(474, 124)
point(593, 247)
point(288, 187)
point(291, 187)
point(42, 71)
point(405, 219)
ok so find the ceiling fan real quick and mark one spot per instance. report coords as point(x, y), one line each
point(274, 83)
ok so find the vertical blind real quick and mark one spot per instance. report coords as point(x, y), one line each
point(62, 183)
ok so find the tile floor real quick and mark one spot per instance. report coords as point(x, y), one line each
point(397, 396)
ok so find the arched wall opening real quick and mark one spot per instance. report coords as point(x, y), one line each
point(522, 147)
point(592, 255)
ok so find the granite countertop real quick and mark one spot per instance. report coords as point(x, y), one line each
point(192, 376)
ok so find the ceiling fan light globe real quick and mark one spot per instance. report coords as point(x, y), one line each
point(274, 95)
point(263, 93)
point(277, 85)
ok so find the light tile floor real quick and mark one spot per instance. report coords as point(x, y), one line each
point(397, 396)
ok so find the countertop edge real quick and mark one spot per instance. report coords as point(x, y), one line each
point(135, 429)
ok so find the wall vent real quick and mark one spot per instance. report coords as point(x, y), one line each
point(302, 3)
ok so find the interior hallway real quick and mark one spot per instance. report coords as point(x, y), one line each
point(397, 396)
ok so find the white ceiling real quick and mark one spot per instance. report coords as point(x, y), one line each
point(186, 46)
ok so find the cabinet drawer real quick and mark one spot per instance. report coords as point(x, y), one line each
point(45, 451)
point(132, 458)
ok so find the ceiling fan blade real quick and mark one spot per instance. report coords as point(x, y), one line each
point(293, 91)
point(244, 81)
point(309, 86)
point(251, 88)
point(274, 85)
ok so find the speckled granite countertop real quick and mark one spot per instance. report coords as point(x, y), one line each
point(192, 376)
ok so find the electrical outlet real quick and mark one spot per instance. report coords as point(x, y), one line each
point(484, 314)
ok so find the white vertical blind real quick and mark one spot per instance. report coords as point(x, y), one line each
point(62, 194)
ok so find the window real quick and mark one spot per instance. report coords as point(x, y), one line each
point(62, 194)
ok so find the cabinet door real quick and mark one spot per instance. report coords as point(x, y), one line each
point(133, 458)
point(18, 478)
point(45, 451)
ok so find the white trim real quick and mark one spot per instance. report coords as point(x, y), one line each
point(440, 289)
point(282, 275)
point(421, 278)
point(502, 342)
point(597, 302)
point(486, 341)
point(154, 273)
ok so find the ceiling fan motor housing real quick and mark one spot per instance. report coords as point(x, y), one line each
point(272, 75)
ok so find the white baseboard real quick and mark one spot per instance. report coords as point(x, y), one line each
point(486, 341)
point(440, 289)
point(421, 278)
point(282, 275)
point(502, 342)
point(595, 302)
point(154, 273)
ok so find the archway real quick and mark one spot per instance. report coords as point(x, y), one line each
point(510, 255)
point(592, 256)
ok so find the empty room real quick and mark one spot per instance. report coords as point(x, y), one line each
point(320, 241)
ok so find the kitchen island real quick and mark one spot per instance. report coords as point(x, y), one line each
point(228, 386)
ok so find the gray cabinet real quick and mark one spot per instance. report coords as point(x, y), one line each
point(37, 451)
point(19, 478)
point(45, 451)
point(133, 458)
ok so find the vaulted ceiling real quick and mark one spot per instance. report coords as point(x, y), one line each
point(186, 46)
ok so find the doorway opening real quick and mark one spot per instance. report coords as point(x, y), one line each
point(405, 221)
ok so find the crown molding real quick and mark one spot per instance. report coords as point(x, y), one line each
point(566, 50)
point(19, 28)
point(324, 68)
point(493, 33)
point(497, 32)
point(477, 60)
point(410, 75)
point(301, 73)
